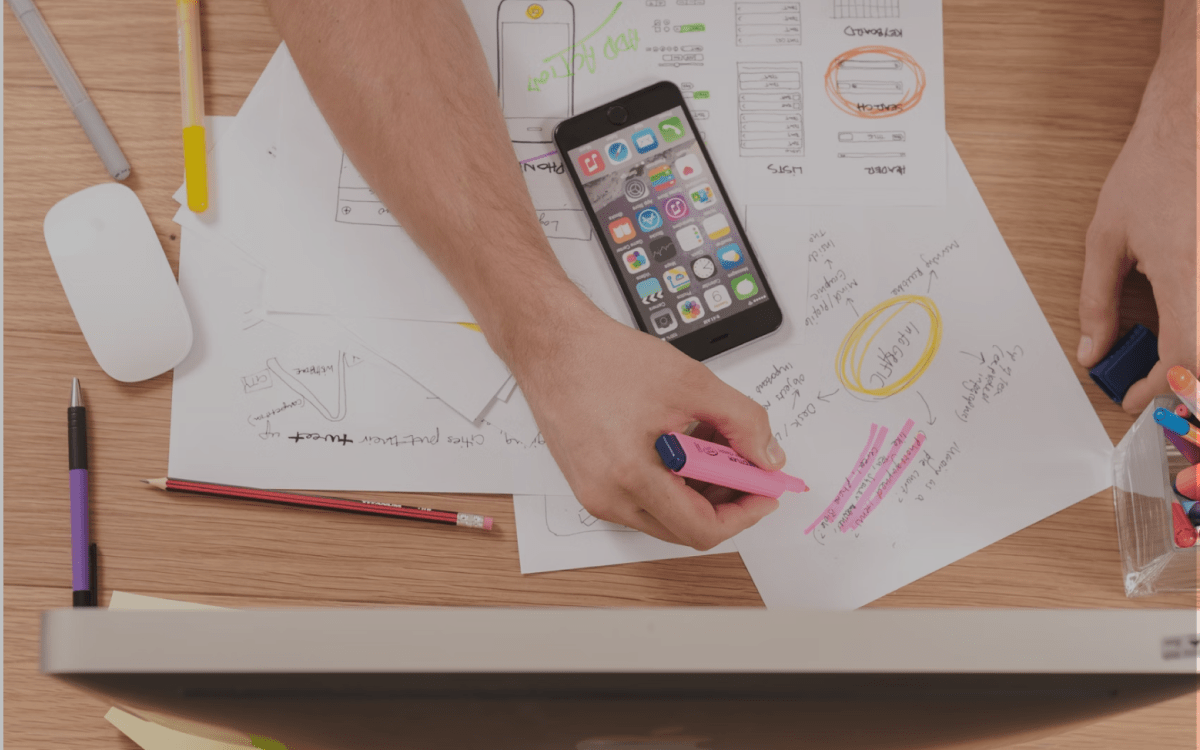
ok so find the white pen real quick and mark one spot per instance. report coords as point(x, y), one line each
point(71, 87)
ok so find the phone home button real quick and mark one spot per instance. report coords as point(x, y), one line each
point(617, 115)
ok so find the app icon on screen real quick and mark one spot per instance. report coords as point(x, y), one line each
point(635, 189)
point(703, 267)
point(744, 286)
point(675, 207)
point(717, 298)
point(730, 257)
point(644, 141)
point(663, 322)
point(617, 151)
point(649, 219)
point(716, 226)
point(621, 230)
point(690, 310)
point(661, 177)
point(636, 260)
point(591, 163)
point(689, 237)
point(662, 249)
point(702, 196)
point(650, 291)
point(677, 279)
point(671, 129)
point(688, 166)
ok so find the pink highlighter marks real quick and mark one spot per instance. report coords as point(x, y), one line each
point(721, 465)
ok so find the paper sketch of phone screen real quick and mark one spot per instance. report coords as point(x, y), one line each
point(534, 55)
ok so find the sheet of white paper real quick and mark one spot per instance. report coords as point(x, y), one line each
point(925, 400)
point(436, 357)
point(252, 404)
point(348, 257)
point(792, 105)
point(450, 361)
point(345, 254)
point(555, 532)
point(824, 102)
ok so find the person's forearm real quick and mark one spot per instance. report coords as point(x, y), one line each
point(406, 89)
point(1170, 97)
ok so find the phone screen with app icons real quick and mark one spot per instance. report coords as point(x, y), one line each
point(681, 255)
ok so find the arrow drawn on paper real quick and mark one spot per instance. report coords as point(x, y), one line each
point(932, 418)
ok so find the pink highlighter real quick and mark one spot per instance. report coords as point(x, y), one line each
point(718, 464)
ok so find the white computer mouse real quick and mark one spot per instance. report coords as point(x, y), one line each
point(118, 282)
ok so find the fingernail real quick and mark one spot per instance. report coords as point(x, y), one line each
point(1085, 348)
point(775, 453)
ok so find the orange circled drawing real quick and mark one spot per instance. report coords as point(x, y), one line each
point(909, 95)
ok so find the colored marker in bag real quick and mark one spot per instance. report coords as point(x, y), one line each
point(1190, 452)
point(1185, 386)
point(721, 465)
point(1185, 533)
point(1182, 411)
point(1187, 483)
point(1177, 425)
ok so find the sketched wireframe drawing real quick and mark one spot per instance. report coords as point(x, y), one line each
point(304, 392)
point(872, 136)
point(566, 517)
point(529, 36)
point(770, 109)
point(866, 8)
point(766, 24)
point(874, 82)
point(357, 202)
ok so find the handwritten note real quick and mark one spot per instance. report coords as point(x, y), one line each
point(930, 409)
point(255, 404)
point(795, 105)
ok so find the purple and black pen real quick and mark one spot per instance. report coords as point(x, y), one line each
point(83, 554)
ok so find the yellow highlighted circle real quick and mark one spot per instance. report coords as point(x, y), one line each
point(535, 11)
point(856, 346)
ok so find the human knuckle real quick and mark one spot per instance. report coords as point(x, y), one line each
point(603, 509)
point(705, 540)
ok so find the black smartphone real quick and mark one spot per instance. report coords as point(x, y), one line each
point(669, 231)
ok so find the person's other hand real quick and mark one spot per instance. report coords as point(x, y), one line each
point(603, 393)
point(1146, 218)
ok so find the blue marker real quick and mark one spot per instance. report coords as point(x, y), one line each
point(1177, 424)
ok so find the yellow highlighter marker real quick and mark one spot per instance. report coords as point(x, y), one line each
point(191, 80)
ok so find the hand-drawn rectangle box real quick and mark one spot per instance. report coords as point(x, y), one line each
point(357, 202)
point(871, 136)
point(770, 109)
point(767, 24)
point(866, 8)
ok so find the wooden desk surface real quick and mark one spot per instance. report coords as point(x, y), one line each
point(1040, 95)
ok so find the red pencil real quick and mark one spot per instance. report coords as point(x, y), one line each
point(447, 517)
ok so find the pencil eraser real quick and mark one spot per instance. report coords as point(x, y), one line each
point(1130, 360)
point(487, 523)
